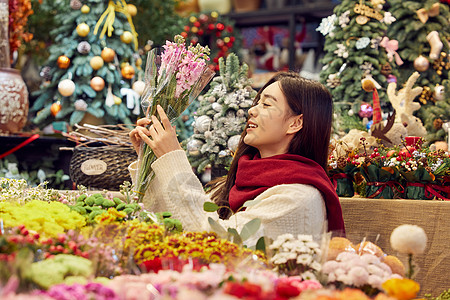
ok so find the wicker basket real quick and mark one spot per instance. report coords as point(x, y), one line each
point(104, 167)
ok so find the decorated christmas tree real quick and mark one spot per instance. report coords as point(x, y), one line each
point(92, 67)
point(355, 49)
point(423, 30)
point(221, 116)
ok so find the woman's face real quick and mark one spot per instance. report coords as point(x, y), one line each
point(270, 125)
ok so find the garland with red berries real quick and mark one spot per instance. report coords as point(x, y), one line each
point(214, 30)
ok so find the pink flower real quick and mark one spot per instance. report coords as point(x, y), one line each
point(309, 285)
point(358, 276)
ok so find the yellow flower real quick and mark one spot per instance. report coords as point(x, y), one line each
point(401, 289)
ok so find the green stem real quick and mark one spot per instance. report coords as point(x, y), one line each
point(410, 267)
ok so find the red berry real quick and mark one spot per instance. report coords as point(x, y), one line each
point(61, 238)
point(52, 248)
point(399, 158)
point(375, 150)
point(356, 156)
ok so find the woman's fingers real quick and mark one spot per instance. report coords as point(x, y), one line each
point(157, 125)
point(164, 119)
point(144, 136)
point(143, 122)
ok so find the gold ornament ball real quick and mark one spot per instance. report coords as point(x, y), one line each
point(127, 72)
point(83, 29)
point(132, 10)
point(96, 62)
point(117, 100)
point(421, 63)
point(368, 85)
point(108, 54)
point(215, 14)
point(138, 62)
point(85, 9)
point(126, 37)
point(139, 87)
point(63, 62)
point(55, 108)
point(66, 87)
point(97, 83)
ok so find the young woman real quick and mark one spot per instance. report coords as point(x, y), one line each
point(280, 166)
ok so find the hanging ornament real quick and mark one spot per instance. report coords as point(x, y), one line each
point(83, 29)
point(437, 123)
point(193, 147)
point(424, 14)
point(202, 123)
point(126, 37)
point(362, 43)
point(97, 83)
point(75, 4)
point(365, 110)
point(391, 47)
point(233, 142)
point(127, 72)
point(80, 105)
point(108, 54)
point(388, 18)
point(132, 99)
point(109, 100)
point(421, 63)
point(439, 92)
point(45, 73)
point(139, 87)
point(66, 87)
point(333, 81)
point(350, 112)
point(63, 62)
point(442, 63)
point(96, 62)
point(391, 78)
point(435, 43)
point(84, 47)
point(386, 69)
point(55, 108)
point(85, 9)
point(426, 95)
point(117, 100)
point(132, 10)
point(365, 12)
point(327, 26)
point(367, 67)
point(138, 62)
point(344, 19)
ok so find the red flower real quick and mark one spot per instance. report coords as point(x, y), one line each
point(285, 289)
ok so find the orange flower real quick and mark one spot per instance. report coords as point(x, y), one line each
point(401, 289)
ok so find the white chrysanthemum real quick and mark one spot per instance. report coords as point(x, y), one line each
point(409, 239)
point(305, 237)
point(304, 259)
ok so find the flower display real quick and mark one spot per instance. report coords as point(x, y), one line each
point(48, 219)
point(296, 256)
point(80, 291)
point(401, 288)
point(173, 80)
point(53, 271)
point(18, 190)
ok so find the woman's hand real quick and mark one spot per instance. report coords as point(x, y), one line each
point(134, 135)
point(163, 136)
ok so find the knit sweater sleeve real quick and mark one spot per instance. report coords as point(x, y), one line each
point(287, 208)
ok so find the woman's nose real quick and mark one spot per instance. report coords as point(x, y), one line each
point(253, 111)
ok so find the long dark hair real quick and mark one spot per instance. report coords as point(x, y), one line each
point(303, 96)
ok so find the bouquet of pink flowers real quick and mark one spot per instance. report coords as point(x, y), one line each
point(173, 80)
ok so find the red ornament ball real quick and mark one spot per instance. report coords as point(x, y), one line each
point(197, 24)
point(220, 26)
point(365, 111)
point(211, 27)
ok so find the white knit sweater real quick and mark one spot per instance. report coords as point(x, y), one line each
point(285, 208)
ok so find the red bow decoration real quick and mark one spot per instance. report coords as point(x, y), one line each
point(391, 49)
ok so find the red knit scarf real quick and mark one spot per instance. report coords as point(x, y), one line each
point(256, 175)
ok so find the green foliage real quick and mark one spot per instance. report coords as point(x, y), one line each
point(445, 295)
point(34, 173)
point(411, 34)
point(349, 93)
point(157, 21)
point(65, 42)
